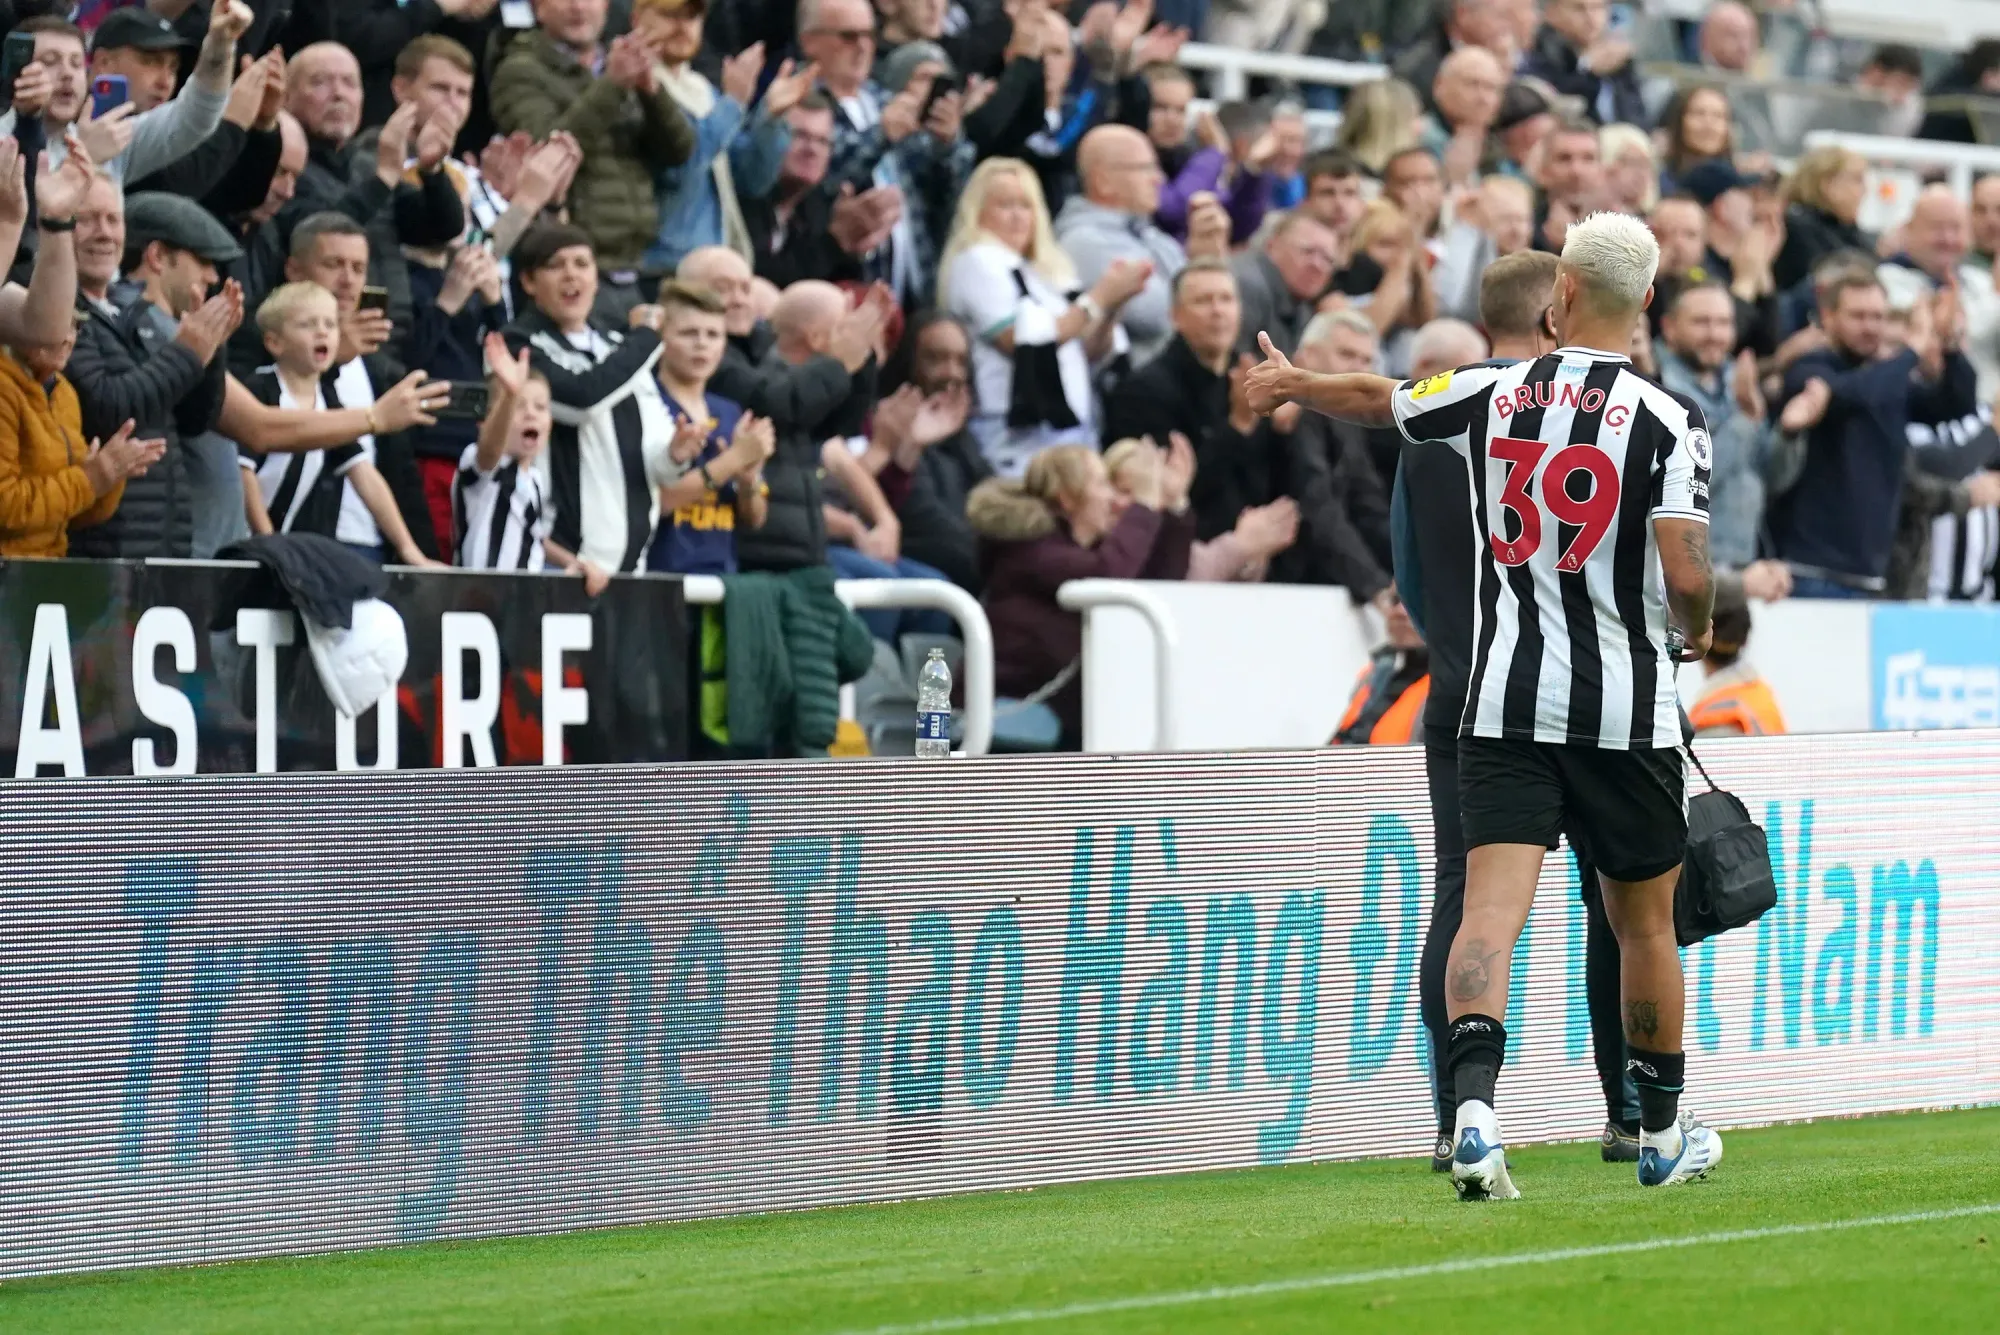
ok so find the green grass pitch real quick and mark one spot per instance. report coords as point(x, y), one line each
point(1283, 1245)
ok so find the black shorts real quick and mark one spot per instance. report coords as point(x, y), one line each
point(1624, 811)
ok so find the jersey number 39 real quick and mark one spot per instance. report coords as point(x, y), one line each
point(1591, 517)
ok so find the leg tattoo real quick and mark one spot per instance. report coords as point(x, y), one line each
point(1642, 1019)
point(1470, 976)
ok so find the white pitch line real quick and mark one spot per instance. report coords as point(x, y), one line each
point(1144, 1302)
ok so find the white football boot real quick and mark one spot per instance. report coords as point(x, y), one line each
point(1700, 1151)
point(1479, 1164)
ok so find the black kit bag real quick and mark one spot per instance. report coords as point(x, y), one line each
point(1726, 878)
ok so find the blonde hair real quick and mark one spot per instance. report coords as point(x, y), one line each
point(288, 300)
point(1044, 256)
point(1378, 122)
point(1616, 256)
point(1382, 217)
point(1614, 141)
point(1815, 168)
point(1122, 453)
point(1062, 471)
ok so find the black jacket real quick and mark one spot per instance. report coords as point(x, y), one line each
point(1554, 60)
point(1810, 236)
point(229, 172)
point(343, 180)
point(1175, 392)
point(804, 249)
point(1234, 470)
point(935, 529)
point(126, 368)
point(793, 397)
point(447, 347)
point(807, 403)
point(260, 270)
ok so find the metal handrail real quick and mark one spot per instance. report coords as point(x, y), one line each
point(1086, 595)
point(1963, 161)
point(1233, 67)
point(931, 594)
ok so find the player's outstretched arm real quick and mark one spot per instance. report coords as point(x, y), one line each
point(1690, 580)
point(1352, 398)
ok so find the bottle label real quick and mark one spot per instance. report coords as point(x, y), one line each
point(934, 725)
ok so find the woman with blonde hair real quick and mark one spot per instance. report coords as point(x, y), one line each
point(1036, 335)
point(1823, 198)
point(1063, 520)
point(1631, 169)
point(1380, 120)
point(1405, 301)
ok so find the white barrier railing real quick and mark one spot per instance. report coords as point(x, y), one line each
point(1085, 595)
point(931, 594)
point(1962, 161)
point(1232, 69)
point(1272, 665)
point(1321, 126)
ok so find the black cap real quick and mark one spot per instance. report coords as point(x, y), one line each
point(137, 26)
point(154, 215)
point(1711, 180)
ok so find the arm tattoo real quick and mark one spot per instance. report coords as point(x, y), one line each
point(212, 63)
point(1642, 1019)
point(1694, 540)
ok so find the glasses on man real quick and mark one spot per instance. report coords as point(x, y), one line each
point(848, 36)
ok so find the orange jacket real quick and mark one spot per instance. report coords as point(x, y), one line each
point(1398, 724)
point(43, 488)
point(1744, 707)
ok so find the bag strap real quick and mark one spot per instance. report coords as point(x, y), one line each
point(1047, 691)
point(1699, 767)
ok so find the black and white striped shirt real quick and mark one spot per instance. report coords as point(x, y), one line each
point(501, 517)
point(1965, 548)
point(608, 453)
point(303, 490)
point(1571, 457)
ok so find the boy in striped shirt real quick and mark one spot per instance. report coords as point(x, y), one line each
point(300, 492)
point(501, 511)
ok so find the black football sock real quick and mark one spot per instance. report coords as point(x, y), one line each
point(1478, 1047)
point(1660, 1077)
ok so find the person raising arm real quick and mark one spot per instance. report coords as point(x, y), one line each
point(1353, 396)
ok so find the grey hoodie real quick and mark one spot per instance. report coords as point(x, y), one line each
point(1095, 235)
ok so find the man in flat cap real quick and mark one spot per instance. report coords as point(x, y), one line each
point(146, 353)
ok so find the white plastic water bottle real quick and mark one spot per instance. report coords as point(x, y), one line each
point(934, 708)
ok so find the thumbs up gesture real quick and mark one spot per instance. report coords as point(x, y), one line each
point(1269, 384)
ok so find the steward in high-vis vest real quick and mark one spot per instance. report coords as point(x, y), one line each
point(1387, 708)
point(1734, 701)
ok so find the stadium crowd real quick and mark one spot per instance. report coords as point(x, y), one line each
point(954, 289)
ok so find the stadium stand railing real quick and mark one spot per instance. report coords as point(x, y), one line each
point(1961, 163)
point(865, 595)
point(1088, 595)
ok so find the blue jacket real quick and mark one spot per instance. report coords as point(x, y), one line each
point(1742, 447)
point(690, 206)
point(1841, 515)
